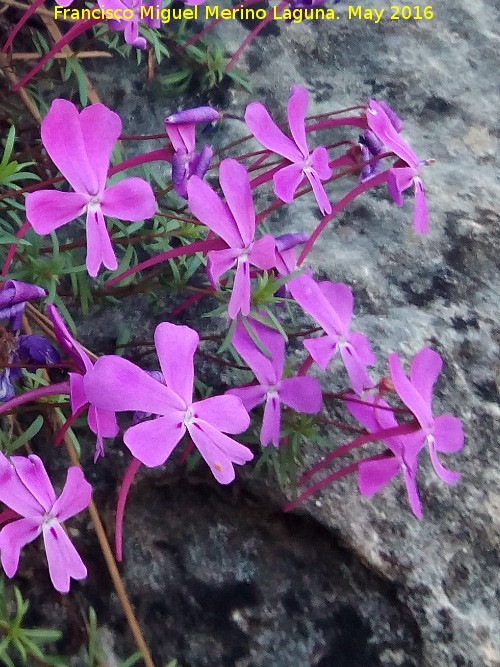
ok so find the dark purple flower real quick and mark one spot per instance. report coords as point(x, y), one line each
point(370, 146)
point(13, 299)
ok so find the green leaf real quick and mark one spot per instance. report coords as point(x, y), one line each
point(30, 433)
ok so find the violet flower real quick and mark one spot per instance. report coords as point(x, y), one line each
point(331, 305)
point(370, 146)
point(13, 298)
point(400, 178)
point(441, 434)
point(301, 393)
point(234, 222)
point(181, 129)
point(130, 26)
point(374, 475)
point(26, 488)
point(314, 166)
point(80, 146)
point(115, 384)
point(101, 422)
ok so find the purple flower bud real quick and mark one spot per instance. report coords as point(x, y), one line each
point(36, 349)
point(193, 116)
point(6, 389)
point(202, 161)
point(288, 241)
point(180, 171)
point(13, 299)
point(372, 142)
point(141, 416)
point(392, 116)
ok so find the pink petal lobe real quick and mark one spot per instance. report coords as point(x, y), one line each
point(63, 559)
point(13, 538)
point(235, 185)
point(287, 180)
point(250, 396)
point(319, 192)
point(399, 180)
point(176, 346)
point(412, 492)
point(309, 296)
point(62, 136)
point(267, 371)
point(410, 396)
point(240, 297)
point(152, 442)
point(47, 210)
point(271, 422)
point(421, 213)
point(218, 450)
point(379, 123)
point(265, 130)
point(183, 137)
point(302, 394)
point(14, 493)
point(374, 475)
point(131, 199)
point(116, 385)
point(297, 107)
point(206, 205)
point(363, 348)
point(263, 253)
point(394, 191)
point(77, 394)
point(220, 261)
point(446, 475)
point(341, 299)
point(425, 368)
point(101, 128)
point(448, 434)
point(320, 163)
point(75, 496)
point(33, 475)
point(99, 247)
point(358, 375)
point(321, 349)
point(225, 413)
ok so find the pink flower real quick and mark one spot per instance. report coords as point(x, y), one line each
point(441, 434)
point(314, 166)
point(400, 178)
point(130, 27)
point(116, 385)
point(181, 129)
point(101, 422)
point(26, 488)
point(374, 475)
point(235, 223)
point(300, 393)
point(331, 305)
point(80, 146)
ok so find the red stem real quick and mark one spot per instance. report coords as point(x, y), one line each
point(29, 12)
point(319, 485)
point(50, 390)
point(128, 478)
point(13, 247)
point(68, 424)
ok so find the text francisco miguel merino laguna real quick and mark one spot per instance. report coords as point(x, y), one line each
point(156, 12)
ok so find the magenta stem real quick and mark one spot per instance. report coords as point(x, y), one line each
point(215, 22)
point(8, 515)
point(29, 12)
point(191, 249)
point(13, 247)
point(319, 485)
point(401, 429)
point(128, 478)
point(152, 156)
point(73, 32)
point(355, 121)
point(68, 424)
point(34, 394)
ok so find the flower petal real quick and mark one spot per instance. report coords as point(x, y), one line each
point(287, 180)
point(448, 434)
point(206, 205)
point(66, 340)
point(63, 559)
point(131, 199)
point(99, 247)
point(226, 413)
point(309, 296)
point(62, 136)
point(321, 349)
point(267, 371)
point(419, 405)
point(14, 493)
point(421, 213)
point(176, 346)
point(341, 299)
point(101, 128)
point(33, 475)
point(263, 253)
point(13, 538)
point(446, 475)
point(182, 136)
point(116, 384)
point(320, 163)
point(319, 192)
point(75, 496)
point(363, 348)
point(297, 107)
point(152, 442)
point(358, 375)
point(379, 122)
point(271, 422)
point(412, 492)
point(47, 210)
point(220, 261)
point(240, 297)
point(218, 450)
point(235, 185)
point(265, 130)
point(425, 368)
point(250, 396)
point(302, 394)
point(374, 475)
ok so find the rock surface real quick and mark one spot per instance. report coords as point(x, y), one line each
point(349, 581)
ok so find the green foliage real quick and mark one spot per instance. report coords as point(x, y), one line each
point(20, 645)
point(12, 171)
